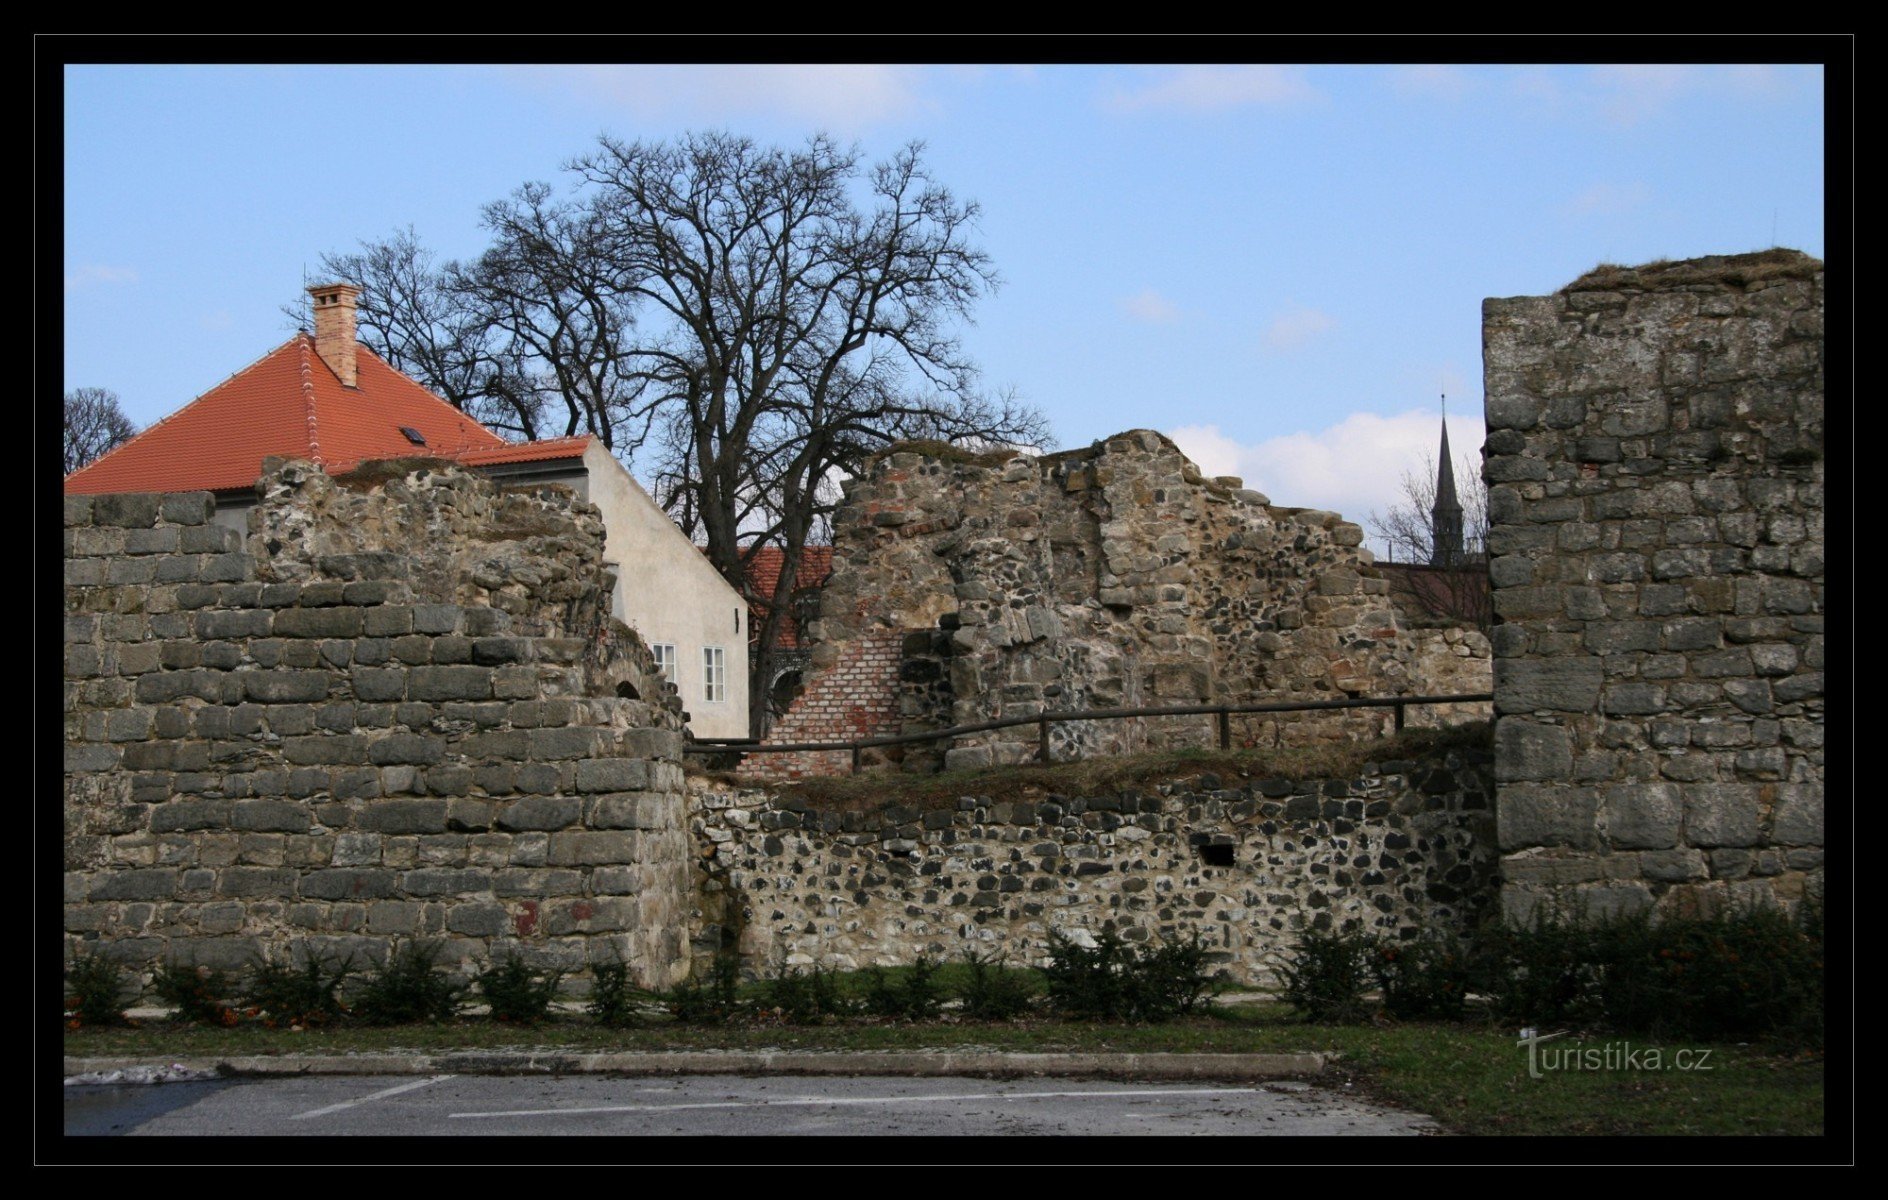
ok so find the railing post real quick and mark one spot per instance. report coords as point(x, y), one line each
point(1399, 718)
point(1225, 730)
point(1042, 739)
point(855, 758)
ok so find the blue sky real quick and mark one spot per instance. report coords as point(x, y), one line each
point(1281, 267)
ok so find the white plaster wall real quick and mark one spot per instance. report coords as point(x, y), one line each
point(667, 591)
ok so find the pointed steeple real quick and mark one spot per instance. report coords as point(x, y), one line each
point(1446, 514)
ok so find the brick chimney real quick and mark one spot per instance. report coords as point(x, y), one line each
point(334, 328)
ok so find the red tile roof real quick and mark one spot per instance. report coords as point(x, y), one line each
point(763, 572)
point(543, 450)
point(289, 403)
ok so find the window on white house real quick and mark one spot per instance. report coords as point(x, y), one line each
point(665, 659)
point(714, 675)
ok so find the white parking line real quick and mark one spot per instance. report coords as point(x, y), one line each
point(379, 1095)
point(836, 1101)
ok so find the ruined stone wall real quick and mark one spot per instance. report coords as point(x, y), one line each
point(1408, 847)
point(1113, 576)
point(1655, 455)
point(397, 711)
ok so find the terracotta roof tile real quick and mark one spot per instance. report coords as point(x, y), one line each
point(763, 572)
point(287, 403)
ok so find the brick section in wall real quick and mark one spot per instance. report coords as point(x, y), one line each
point(856, 698)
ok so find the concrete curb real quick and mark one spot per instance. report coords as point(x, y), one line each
point(743, 1062)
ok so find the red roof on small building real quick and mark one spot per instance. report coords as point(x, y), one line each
point(763, 572)
point(291, 404)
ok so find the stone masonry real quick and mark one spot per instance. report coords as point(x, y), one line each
point(1249, 864)
point(1655, 456)
point(399, 710)
point(1111, 576)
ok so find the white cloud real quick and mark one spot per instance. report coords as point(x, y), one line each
point(1354, 467)
point(1434, 80)
point(1150, 306)
point(846, 96)
point(95, 274)
point(1214, 88)
point(1292, 329)
point(1607, 199)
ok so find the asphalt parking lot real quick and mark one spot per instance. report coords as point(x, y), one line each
point(578, 1106)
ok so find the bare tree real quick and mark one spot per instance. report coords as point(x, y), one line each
point(94, 424)
point(1454, 585)
point(743, 324)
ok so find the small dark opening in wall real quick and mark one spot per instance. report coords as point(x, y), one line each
point(627, 691)
point(1216, 855)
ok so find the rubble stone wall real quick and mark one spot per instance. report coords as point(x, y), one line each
point(399, 710)
point(1112, 576)
point(1406, 848)
point(1655, 456)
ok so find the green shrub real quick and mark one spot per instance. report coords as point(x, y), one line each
point(711, 1000)
point(1425, 977)
point(1327, 974)
point(613, 999)
point(913, 993)
point(992, 991)
point(97, 990)
point(1112, 982)
point(803, 997)
point(285, 994)
point(410, 987)
point(1540, 974)
point(1170, 980)
point(1737, 974)
point(517, 993)
point(198, 993)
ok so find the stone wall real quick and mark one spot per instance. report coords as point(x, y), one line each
point(1407, 847)
point(1112, 576)
point(399, 710)
point(1655, 459)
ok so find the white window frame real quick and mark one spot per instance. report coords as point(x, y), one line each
point(714, 675)
point(665, 663)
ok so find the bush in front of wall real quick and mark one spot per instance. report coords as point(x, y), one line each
point(1109, 981)
point(803, 997)
point(709, 1000)
point(1423, 977)
point(613, 999)
point(283, 993)
point(1327, 973)
point(410, 987)
point(993, 991)
point(97, 990)
point(199, 994)
point(516, 993)
point(913, 993)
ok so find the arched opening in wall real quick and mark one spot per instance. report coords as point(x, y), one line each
point(627, 691)
point(786, 688)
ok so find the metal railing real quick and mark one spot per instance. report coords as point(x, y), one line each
point(1042, 721)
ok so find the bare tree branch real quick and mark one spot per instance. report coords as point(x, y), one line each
point(95, 424)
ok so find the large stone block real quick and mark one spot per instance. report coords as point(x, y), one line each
point(1797, 819)
point(1525, 750)
point(1556, 685)
point(1538, 814)
point(1644, 815)
point(540, 813)
point(1721, 813)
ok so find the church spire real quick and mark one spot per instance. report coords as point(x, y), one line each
point(1446, 514)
